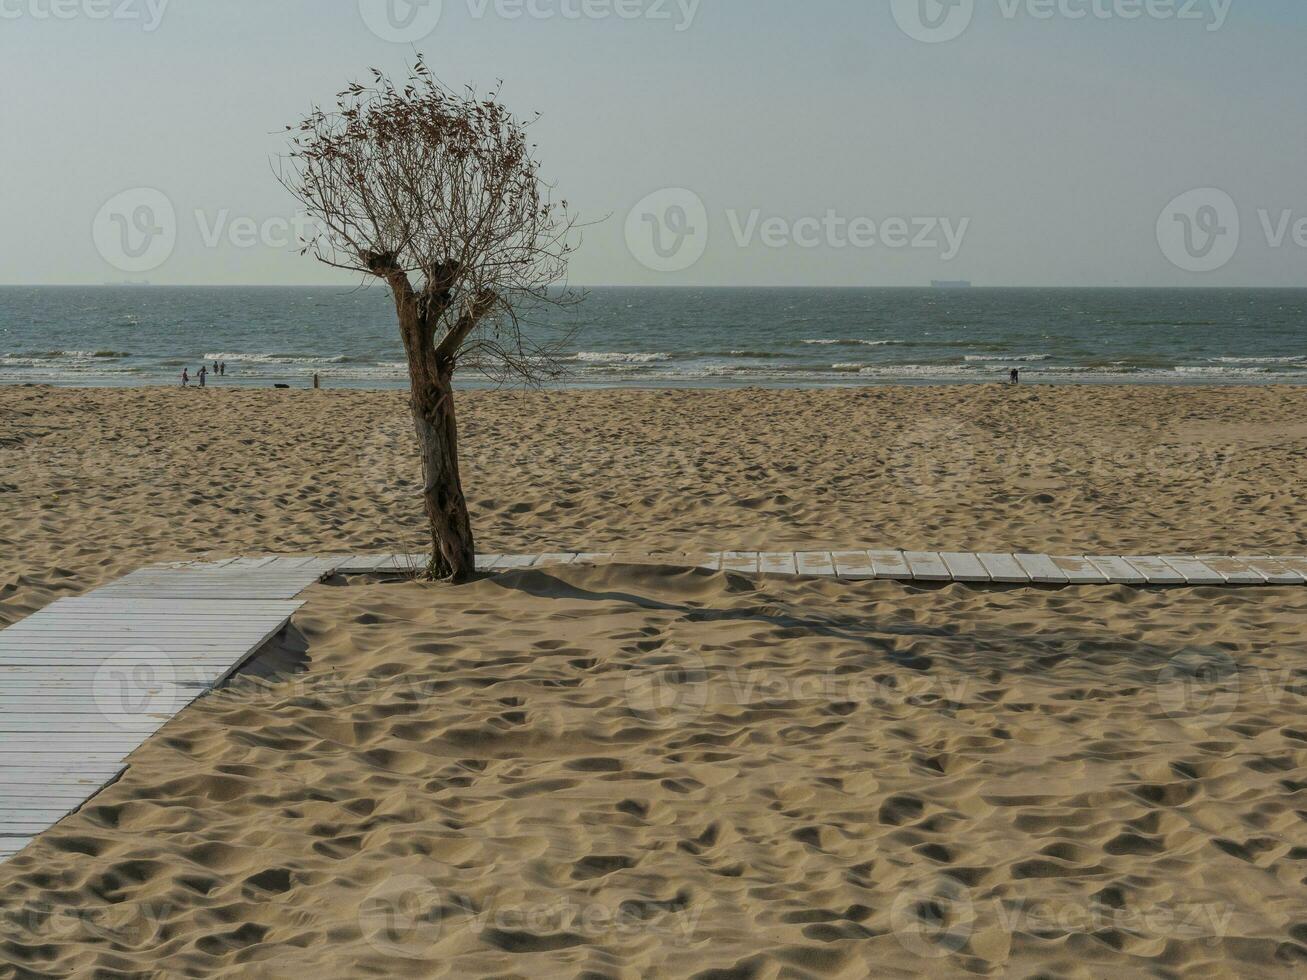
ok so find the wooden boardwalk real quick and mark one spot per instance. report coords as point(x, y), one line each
point(85, 681)
point(914, 566)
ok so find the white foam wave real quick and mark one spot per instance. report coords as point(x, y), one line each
point(847, 342)
point(1008, 358)
point(1295, 359)
point(616, 357)
point(241, 358)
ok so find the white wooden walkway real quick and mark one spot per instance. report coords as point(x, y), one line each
point(913, 566)
point(85, 681)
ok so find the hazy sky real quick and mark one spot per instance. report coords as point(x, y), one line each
point(825, 141)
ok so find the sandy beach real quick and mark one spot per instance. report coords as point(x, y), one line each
point(637, 771)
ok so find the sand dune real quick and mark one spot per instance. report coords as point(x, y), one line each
point(630, 772)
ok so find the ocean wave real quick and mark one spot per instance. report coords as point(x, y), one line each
point(1290, 359)
point(76, 354)
point(847, 342)
point(617, 357)
point(920, 370)
point(1005, 358)
point(1219, 371)
point(239, 358)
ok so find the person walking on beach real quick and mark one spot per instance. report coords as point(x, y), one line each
point(186, 378)
point(204, 373)
point(222, 368)
point(1015, 376)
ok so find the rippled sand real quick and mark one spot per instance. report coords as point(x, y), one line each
point(634, 772)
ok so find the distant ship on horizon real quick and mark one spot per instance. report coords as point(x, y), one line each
point(950, 284)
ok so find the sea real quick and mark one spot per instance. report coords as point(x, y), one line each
point(135, 335)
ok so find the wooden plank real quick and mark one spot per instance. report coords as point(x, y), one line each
point(553, 560)
point(403, 564)
point(778, 563)
point(1276, 571)
point(854, 565)
point(32, 828)
point(206, 577)
point(25, 797)
point(1079, 570)
point(194, 607)
point(1156, 571)
point(712, 562)
point(514, 562)
point(927, 566)
point(1195, 571)
point(890, 565)
point(294, 561)
point(65, 724)
point(30, 808)
point(1118, 570)
point(1042, 570)
point(56, 752)
point(1005, 568)
point(965, 567)
point(116, 627)
point(1233, 571)
point(56, 767)
point(816, 564)
point(741, 561)
point(20, 782)
point(595, 558)
point(361, 564)
point(1297, 565)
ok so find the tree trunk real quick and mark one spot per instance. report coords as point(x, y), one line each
point(453, 549)
point(431, 384)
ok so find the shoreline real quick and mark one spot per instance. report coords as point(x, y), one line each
point(300, 383)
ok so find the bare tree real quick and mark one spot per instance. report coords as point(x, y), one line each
point(438, 194)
